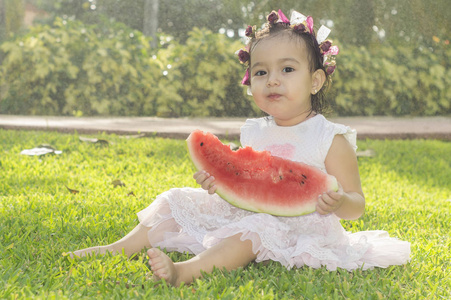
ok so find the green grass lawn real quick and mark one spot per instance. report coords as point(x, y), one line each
point(407, 186)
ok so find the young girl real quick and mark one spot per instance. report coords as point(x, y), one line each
point(289, 66)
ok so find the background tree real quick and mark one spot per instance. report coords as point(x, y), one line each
point(2, 20)
point(357, 22)
point(151, 8)
point(11, 17)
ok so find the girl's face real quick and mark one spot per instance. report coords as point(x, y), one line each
point(281, 80)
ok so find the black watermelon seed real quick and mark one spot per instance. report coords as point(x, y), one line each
point(304, 176)
point(281, 177)
point(201, 144)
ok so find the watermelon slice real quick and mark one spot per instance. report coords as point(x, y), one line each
point(256, 181)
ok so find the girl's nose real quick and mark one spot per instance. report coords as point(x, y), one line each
point(272, 81)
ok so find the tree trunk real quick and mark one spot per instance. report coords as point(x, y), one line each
point(151, 20)
point(2, 20)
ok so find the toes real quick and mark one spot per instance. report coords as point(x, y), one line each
point(156, 266)
point(152, 253)
point(161, 274)
point(156, 259)
point(162, 266)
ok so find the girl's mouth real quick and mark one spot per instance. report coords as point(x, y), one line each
point(274, 96)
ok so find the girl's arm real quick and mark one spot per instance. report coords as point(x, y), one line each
point(348, 202)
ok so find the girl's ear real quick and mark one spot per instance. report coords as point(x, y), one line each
point(318, 80)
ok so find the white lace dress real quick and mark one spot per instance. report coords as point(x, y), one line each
point(189, 219)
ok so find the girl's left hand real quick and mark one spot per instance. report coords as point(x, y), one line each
point(330, 202)
point(206, 181)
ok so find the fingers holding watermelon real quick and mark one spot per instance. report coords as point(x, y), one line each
point(330, 202)
point(206, 181)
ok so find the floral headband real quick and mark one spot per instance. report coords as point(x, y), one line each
point(299, 23)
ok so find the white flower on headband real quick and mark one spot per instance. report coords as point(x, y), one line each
point(298, 18)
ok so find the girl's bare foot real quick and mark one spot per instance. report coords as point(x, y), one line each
point(92, 250)
point(163, 267)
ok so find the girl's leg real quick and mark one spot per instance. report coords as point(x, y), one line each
point(132, 243)
point(231, 253)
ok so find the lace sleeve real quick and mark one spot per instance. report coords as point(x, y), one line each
point(331, 130)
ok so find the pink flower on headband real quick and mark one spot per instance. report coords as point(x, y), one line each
point(325, 46)
point(331, 51)
point(309, 22)
point(330, 69)
point(246, 78)
point(273, 17)
point(283, 18)
point(249, 31)
point(243, 56)
point(299, 27)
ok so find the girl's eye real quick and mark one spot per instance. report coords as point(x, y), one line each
point(288, 69)
point(260, 73)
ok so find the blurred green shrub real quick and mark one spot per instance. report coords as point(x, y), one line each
point(206, 75)
point(71, 67)
point(393, 80)
point(75, 69)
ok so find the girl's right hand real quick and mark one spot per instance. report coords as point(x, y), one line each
point(206, 181)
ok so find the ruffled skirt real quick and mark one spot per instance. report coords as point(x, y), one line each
point(191, 220)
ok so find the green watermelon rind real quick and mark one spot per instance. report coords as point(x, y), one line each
point(222, 192)
point(280, 213)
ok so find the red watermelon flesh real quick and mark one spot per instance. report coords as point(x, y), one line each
point(256, 180)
